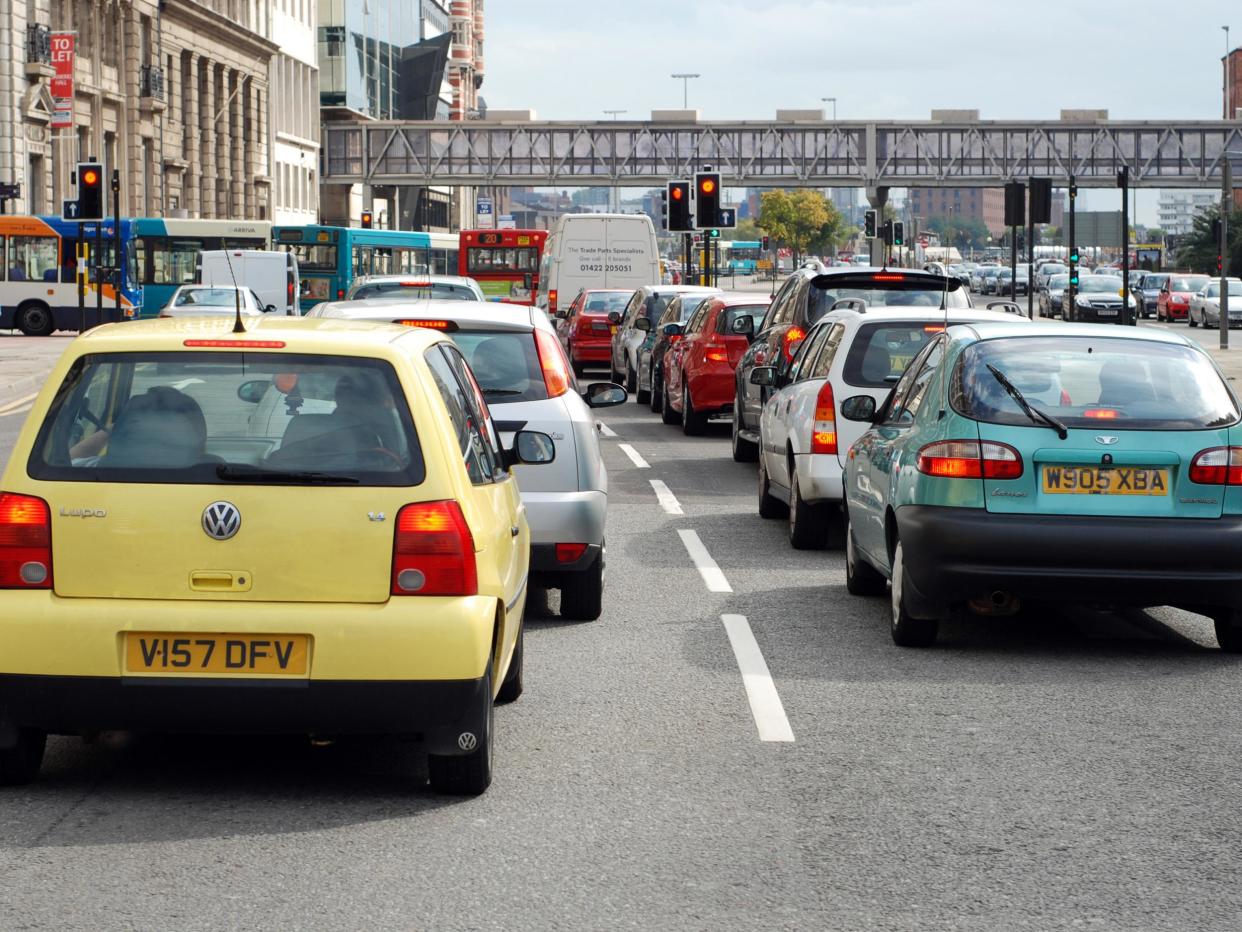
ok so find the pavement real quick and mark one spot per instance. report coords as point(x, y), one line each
point(1059, 770)
point(26, 361)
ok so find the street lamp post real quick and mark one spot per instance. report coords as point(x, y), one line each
point(1225, 104)
point(616, 199)
point(833, 101)
point(685, 88)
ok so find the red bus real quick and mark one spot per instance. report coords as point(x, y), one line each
point(505, 263)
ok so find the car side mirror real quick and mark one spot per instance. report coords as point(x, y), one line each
point(642, 324)
point(744, 325)
point(858, 408)
point(268, 309)
point(561, 315)
point(1009, 307)
point(672, 330)
point(531, 448)
point(763, 375)
point(252, 392)
point(605, 394)
point(614, 317)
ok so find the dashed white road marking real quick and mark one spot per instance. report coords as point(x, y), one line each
point(765, 701)
point(703, 561)
point(668, 501)
point(16, 411)
point(605, 430)
point(9, 407)
point(635, 458)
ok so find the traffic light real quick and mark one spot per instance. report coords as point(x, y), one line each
point(869, 224)
point(764, 243)
point(367, 219)
point(1073, 188)
point(886, 232)
point(1073, 275)
point(1216, 229)
point(899, 233)
point(714, 233)
point(1220, 265)
point(90, 191)
point(680, 219)
point(707, 200)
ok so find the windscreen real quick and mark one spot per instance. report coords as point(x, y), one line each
point(1058, 282)
point(1099, 284)
point(886, 290)
point(210, 297)
point(505, 364)
point(881, 352)
point(229, 418)
point(1094, 383)
point(1188, 282)
point(1213, 290)
point(412, 291)
point(730, 314)
point(605, 302)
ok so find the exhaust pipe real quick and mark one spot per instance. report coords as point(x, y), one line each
point(996, 604)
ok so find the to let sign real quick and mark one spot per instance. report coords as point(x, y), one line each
point(61, 85)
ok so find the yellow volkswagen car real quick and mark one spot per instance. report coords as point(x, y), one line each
point(307, 527)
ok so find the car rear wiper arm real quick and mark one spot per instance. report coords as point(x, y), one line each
point(235, 472)
point(1039, 417)
point(502, 391)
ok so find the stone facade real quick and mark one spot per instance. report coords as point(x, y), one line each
point(294, 85)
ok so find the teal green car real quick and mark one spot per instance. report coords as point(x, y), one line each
point(1063, 463)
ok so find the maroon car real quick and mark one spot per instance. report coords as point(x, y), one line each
point(585, 331)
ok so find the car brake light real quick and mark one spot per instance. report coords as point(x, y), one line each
point(424, 284)
point(235, 344)
point(569, 553)
point(792, 336)
point(714, 352)
point(552, 362)
point(552, 300)
point(433, 551)
point(888, 277)
point(25, 542)
point(970, 459)
point(1103, 414)
point(824, 430)
point(340, 294)
point(448, 326)
point(1217, 466)
point(674, 338)
point(289, 289)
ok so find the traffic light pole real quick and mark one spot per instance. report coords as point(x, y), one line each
point(1226, 196)
point(117, 264)
point(98, 283)
point(79, 269)
point(1013, 263)
point(1030, 265)
point(1123, 182)
point(1071, 288)
point(688, 246)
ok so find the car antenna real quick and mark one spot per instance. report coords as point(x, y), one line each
point(238, 326)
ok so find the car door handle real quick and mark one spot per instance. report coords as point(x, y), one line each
point(514, 531)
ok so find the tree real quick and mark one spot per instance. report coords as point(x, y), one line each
point(799, 220)
point(747, 230)
point(963, 232)
point(1199, 250)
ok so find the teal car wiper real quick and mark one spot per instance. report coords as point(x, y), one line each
point(1039, 417)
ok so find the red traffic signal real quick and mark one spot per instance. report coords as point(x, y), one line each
point(677, 192)
point(679, 219)
point(90, 191)
point(707, 198)
point(367, 219)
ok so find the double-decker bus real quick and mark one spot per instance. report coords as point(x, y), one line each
point(166, 251)
point(38, 284)
point(740, 256)
point(505, 263)
point(330, 258)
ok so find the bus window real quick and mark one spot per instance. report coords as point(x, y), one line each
point(4, 268)
point(33, 258)
point(313, 256)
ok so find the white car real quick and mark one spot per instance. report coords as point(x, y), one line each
point(214, 301)
point(414, 288)
point(1205, 304)
point(528, 384)
point(803, 445)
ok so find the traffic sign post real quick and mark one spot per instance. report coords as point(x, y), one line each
point(484, 215)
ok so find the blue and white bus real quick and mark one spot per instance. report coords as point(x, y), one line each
point(329, 258)
point(166, 251)
point(38, 283)
point(742, 256)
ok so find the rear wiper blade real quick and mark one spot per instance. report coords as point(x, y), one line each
point(234, 472)
point(1039, 417)
point(502, 391)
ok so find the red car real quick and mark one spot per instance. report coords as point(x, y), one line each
point(699, 367)
point(585, 331)
point(1174, 300)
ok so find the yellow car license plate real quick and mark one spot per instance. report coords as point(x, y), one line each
point(252, 654)
point(1105, 480)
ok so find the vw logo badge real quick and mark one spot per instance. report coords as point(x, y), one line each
point(221, 520)
point(1106, 440)
point(467, 741)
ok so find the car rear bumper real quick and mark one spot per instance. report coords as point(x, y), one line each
point(438, 711)
point(566, 517)
point(712, 390)
point(955, 554)
point(583, 351)
point(820, 477)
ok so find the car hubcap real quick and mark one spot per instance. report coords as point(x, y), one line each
point(898, 574)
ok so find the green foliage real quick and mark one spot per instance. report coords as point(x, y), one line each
point(802, 220)
point(1199, 251)
point(746, 230)
point(963, 232)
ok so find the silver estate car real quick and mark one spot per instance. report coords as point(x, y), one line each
point(415, 287)
point(528, 384)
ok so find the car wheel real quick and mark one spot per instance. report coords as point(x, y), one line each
point(579, 368)
point(808, 524)
point(20, 763)
point(1229, 630)
point(657, 390)
point(631, 381)
point(743, 450)
point(667, 414)
point(769, 507)
point(35, 320)
point(861, 578)
point(907, 631)
point(582, 595)
point(1190, 319)
point(641, 396)
point(512, 686)
point(692, 422)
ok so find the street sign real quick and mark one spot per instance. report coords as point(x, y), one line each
point(485, 218)
point(70, 210)
point(728, 218)
point(10, 190)
point(506, 222)
point(1097, 228)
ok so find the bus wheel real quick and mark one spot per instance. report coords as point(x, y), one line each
point(34, 320)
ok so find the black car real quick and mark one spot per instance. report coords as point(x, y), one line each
point(1097, 300)
point(806, 296)
point(651, 361)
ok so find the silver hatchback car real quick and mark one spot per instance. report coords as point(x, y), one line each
point(528, 384)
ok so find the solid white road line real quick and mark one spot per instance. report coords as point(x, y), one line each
point(668, 501)
point(605, 430)
point(17, 403)
point(765, 702)
point(703, 561)
point(633, 455)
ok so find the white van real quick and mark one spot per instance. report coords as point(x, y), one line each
point(596, 251)
point(273, 276)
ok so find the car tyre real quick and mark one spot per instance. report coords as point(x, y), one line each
point(907, 631)
point(466, 774)
point(667, 414)
point(1229, 631)
point(512, 686)
point(693, 424)
point(1190, 319)
point(582, 595)
point(808, 524)
point(657, 390)
point(644, 397)
point(744, 451)
point(20, 763)
point(769, 507)
point(631, 381)
point(861, 578)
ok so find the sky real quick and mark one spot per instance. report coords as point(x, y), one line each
point(881, 59)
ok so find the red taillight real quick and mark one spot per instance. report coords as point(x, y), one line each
point(289, 292)
point(448, 326)
point(433, 551)
point(340, 294)
point(1103, 414)
point(1217, 466)
point(569, 553)
point(236, 344)
point(714, 352)
point(970, 459)
point(888, 277)
point(674, 338)
point(824, 430)
point(25, 542)
point(792, 336)
point(552, 362)
point(552, 301)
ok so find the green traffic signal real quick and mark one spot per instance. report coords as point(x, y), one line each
point(714, 234)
